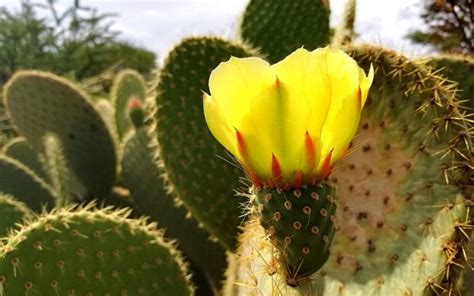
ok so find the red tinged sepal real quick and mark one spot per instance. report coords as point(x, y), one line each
point(325, 168)
point(276, 171)
point(310, 152)
point(297, 179)
point(359, 98)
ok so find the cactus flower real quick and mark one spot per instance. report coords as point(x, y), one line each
point(287, 123)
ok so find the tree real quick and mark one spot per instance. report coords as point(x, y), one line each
point(77, 41)
point(450, 26)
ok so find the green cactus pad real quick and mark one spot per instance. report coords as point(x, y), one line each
point(300, 224)
point(56, 168)
point(107, 111)
point(193, 159)
point(140, 173)
point(278, 27)
point(128, 85)
point(12, 211)
point(459, 69)
point(18, 180)
point(20, 150)
point(41, 103)
point(88, 251)
point(402, 212)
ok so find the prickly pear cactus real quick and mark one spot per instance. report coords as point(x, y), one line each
point(56, 167)
point(18, 180)
point(128, 86)
point(40, 103)
point(344, 33)
point(140, 173)
point(278, 27)
point(200, 171)
point(89, 251)
point(21, 151)
point(402, 210)
point(459, 69)
point(12, 212)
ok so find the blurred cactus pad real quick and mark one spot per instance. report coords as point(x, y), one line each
point(114, 185)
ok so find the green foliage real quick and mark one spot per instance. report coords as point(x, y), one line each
point(278, 27)
point(81, 251)
point(140, 173)
point(203, 181)
point(40, 104)
point(76, 40)
point(450, 26)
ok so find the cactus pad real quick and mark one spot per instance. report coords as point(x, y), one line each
point(127, 86)
point(278, 27)
point(12, 212)
point(140, 173)
point(20, 150)
point(459, 69)
point(193, 159)
point(18, 180)
point(41, 103)
point(86, 251)
point(402, 214)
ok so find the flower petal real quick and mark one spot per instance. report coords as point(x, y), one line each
point(365, 83)
point(218, 125)
point(305, 100)
point(245, 89)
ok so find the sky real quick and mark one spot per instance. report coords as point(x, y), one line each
point(160, 24)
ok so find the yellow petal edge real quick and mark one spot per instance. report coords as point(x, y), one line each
point(287, 123)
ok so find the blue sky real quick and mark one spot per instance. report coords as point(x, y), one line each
point(159, 24)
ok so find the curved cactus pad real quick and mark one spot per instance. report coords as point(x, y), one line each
point(41, 103)
point(401, 192)
point(12, 212)
point(197, 166)
point(20, 150)
point(140, 174)
point(278, 27)
point(86, 251)
point(18, 180)
point(127, 87)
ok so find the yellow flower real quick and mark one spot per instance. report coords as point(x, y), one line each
point(287, 123)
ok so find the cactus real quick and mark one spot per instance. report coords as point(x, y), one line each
point(12, 212)
point(279, 27)
point(203, 181)
point(141, 175)
point(41, 103)
point(459, 69)
point(403, 191)
point(345, 33)
point(402, 218)
point(21, 151)
point(107, 111)
point(127, 87)
point(18, 180)
point(57, 169)
point(86, 251)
